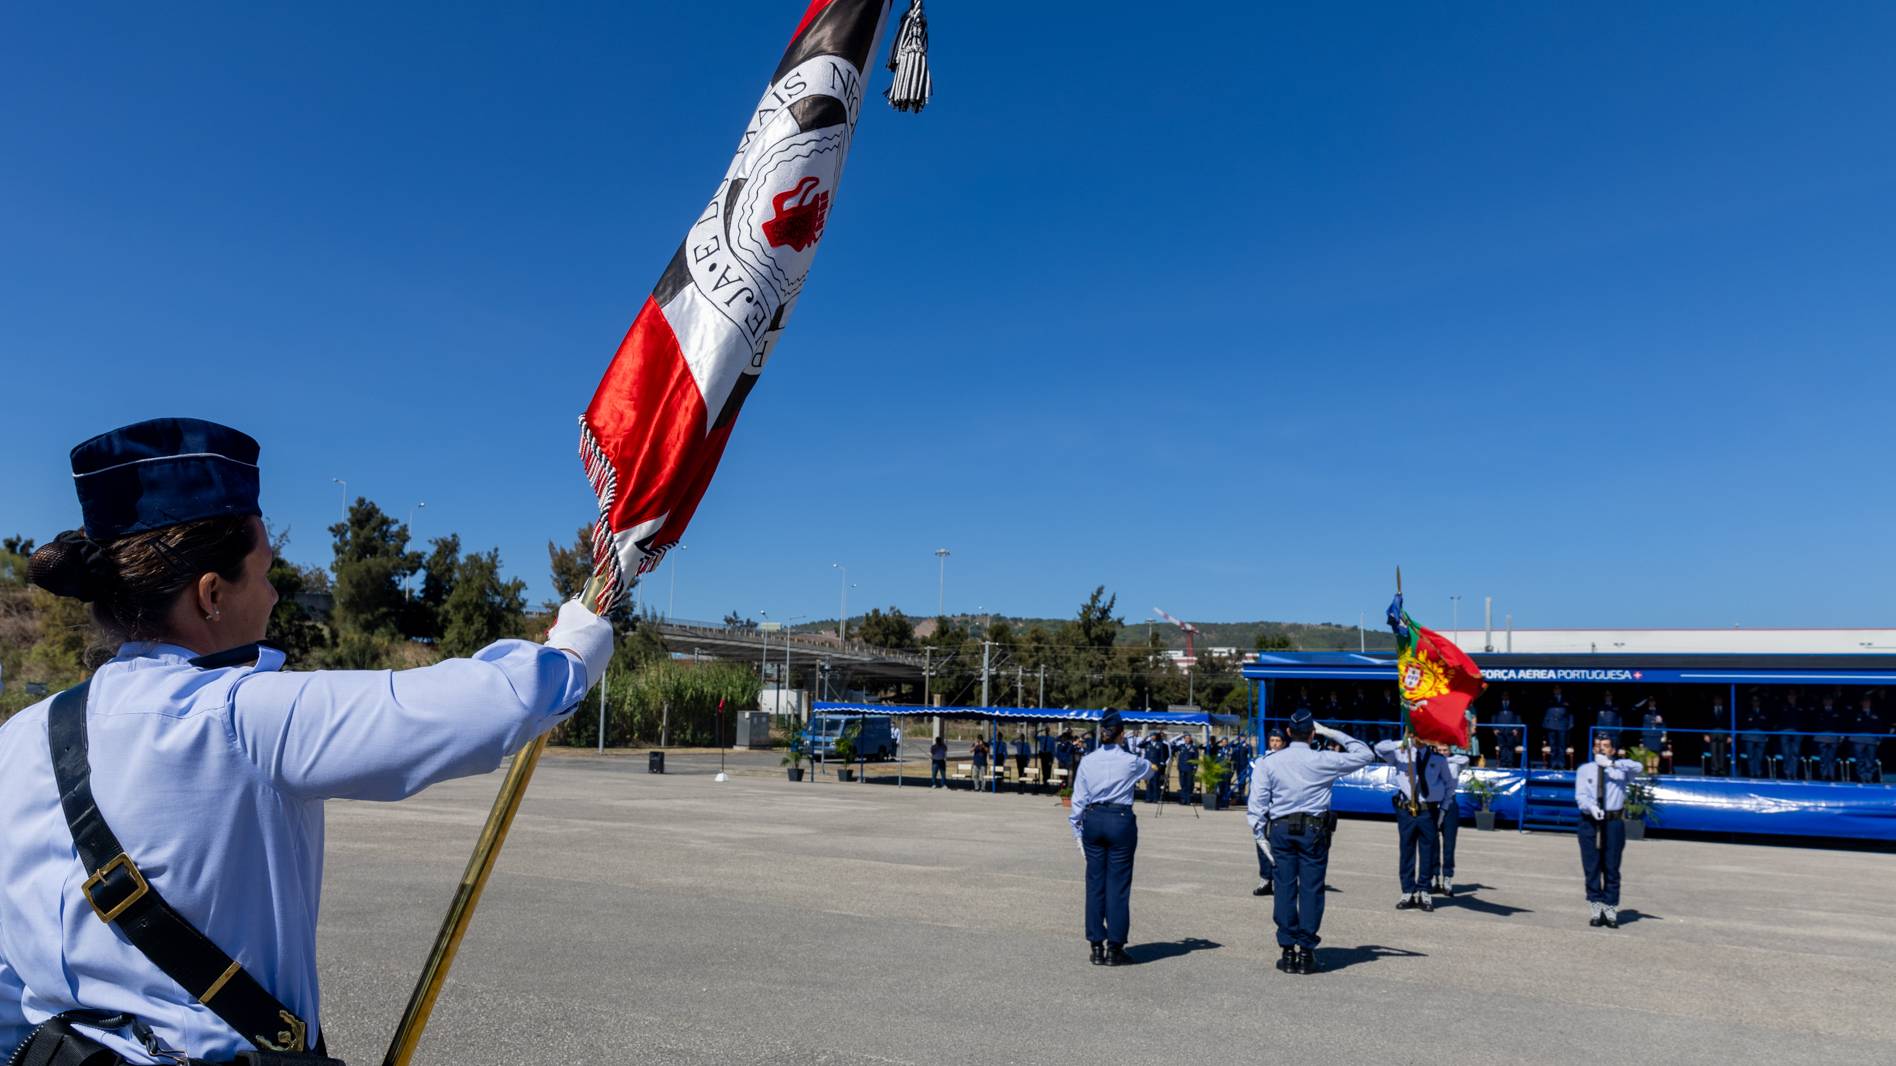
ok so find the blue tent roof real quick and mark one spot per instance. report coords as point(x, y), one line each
point(1031, 714)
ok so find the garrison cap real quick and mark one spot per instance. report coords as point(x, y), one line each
point(1109, 720)
point(1302, 721)
point(164, 472)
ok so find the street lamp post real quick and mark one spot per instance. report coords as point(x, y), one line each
point(419, 506)
point(941, 579)
point(345, 496)
point(842, 620)
point(671, 600)
point(1455, 615)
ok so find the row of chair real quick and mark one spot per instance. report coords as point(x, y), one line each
point(996, 774)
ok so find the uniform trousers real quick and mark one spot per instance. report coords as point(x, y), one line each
point(1601, 844)
point(938, 772)
point(1415, 833)
point(1863, 753)
point(1155, 785)
point(1302, 859)
point(1448, 826)
point(1827, 756)
point(1185, 776)
point(1754, 745)
point(1556, 749)
point(1110, 836)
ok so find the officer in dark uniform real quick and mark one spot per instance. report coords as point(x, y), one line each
point(1827, 723)
point(1290, 796)
point(1718, 741)
point(1754, 720)
point(1159, 754)
point(1507, 736)
point(194, 754)
point(1555, 725)
point(1790, 742)
point(1108, 835)
point(1607, 722)
point(1867, 733)
point(1187, 757)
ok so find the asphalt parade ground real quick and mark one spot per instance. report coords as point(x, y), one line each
point(639, 918)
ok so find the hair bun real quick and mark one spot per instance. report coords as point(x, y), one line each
point(72, 565)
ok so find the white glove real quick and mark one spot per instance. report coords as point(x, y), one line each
point(585, 635)
point(1323, 730)
point(1598, 814)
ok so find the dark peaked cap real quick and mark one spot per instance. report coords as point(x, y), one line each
point(164, 472)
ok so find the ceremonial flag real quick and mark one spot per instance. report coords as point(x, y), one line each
point(658, 423)
point(1438, 680)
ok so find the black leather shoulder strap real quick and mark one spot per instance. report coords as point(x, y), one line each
point(120, 896)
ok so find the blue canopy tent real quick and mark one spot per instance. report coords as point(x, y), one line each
point(1167, 719)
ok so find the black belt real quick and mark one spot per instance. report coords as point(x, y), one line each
point(1302, 820)
point(1127, 807)
point(1611, 816)
point(120, 896)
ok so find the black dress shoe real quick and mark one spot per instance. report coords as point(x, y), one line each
point(1307, 961)
point(1596, 921)
point(1610, 923)
point(1435, 888)
point(1116, 955)
point(1406, 903)
point(1099, 953)
point(1262, 890)
point(1448, 888)
point(1425, 903)
point(1288, 961)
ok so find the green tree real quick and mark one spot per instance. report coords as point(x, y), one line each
point(892, 629)
point(439, 572)
point(1275, 640)
point(293, 627)
point(14, 554)
point(482, 607)
point(372, 561)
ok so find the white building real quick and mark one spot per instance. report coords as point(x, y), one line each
point(1733, 641)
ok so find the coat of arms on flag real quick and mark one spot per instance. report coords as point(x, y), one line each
point(1438, 680)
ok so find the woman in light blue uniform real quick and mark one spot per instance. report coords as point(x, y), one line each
point(167, 907)
point(1108, 835)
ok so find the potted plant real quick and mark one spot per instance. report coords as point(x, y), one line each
point(1484, 792)
point(1212, 774)
point(1640, 809)
point(845, 754)
point(793, 756)
point(1645, 757)
point(1066, 795)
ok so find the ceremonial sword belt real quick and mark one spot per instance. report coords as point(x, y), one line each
point(120, 896)
point(1611, 816)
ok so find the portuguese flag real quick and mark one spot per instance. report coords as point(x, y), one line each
point(1438, 680)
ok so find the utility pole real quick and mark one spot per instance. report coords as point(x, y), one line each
point(985, 645)
point(1017, 681)
point(602, 715)
point(842, 620)
point(927, 654)
point(941, 579)
point(1042, 700)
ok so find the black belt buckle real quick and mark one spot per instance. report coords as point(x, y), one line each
point(109, 911)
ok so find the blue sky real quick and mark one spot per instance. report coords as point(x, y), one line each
point(1586, 309)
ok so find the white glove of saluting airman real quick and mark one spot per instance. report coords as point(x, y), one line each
point(1325, 731)
point(584, 635)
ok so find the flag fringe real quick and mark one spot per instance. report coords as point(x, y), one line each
point(608, 575)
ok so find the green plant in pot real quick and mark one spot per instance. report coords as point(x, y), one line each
point(846, 754)
point(1483, 790)
point(1066, 795)
point(793, 756)
point(1640, 808)
point(1212, 774)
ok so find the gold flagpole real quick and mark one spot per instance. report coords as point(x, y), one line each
point(467, 895)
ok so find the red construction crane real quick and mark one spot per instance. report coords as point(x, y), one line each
point(1191, 651)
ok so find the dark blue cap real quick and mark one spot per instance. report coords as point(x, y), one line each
point(1109, 720)
point(1302, 721)
point(164, 472)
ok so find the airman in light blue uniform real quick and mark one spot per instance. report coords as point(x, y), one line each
point(211, 769)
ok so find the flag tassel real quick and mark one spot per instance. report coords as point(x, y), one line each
point(908, 58)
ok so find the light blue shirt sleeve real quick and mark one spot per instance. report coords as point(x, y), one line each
point(1257, 806)
point(387, 734)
